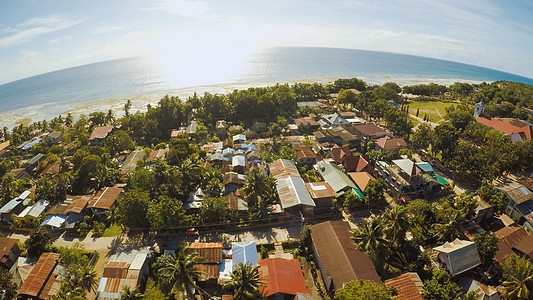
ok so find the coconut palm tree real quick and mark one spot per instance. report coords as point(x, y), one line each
point(244, 282)
point(451, 229)
point(131, 294)
point(179, 274)
point(370, 237)
point(87, 279)
point(518, 278)
point(259, 186)
point(396, 224)
point(67, 293)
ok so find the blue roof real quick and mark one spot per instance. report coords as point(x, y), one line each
point(244, 252)
point(426, 167)
point(393, 104)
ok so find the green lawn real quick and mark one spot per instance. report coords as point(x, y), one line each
point(113, 230)
point(436, 110)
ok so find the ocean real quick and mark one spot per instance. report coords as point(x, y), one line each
point(144, 79)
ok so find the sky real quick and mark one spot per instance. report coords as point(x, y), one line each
point(39, 36)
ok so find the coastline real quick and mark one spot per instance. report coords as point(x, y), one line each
point(50, 110)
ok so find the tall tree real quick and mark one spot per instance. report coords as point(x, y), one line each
point(129, 293)
point(179, 275)
point(517, 278)
point(244, 282)
point(40, 240)
point(369, 236)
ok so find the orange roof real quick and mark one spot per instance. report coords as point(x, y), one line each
point(35, 284)
point(281, 276)
point(116, 270)
point(105, 198)
point(506, 127)
point(100, 132)
point(388, 143)
point(320, 190)
point(409, 286)
point(161, 153)
point(361, 179)
point(338, 153)
point(209, 252)
point(283, 167)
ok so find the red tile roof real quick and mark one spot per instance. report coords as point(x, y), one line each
point(388, 143)
point(370, 129)
point(356, 163)
point(41, 273)
point(281, 276)
point(506, 127)
point(361, 179)
point(339, 153)
point(100, 132)
point(409, 286)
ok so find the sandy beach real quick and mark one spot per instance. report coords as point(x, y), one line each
point(50, 110)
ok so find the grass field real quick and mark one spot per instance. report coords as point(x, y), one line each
point(436, 110)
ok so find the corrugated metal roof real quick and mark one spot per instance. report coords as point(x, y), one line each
point(116, 270)
point(39, 275)
point(105, 198)
point(462, 255)
point(518, 193)
point(35, 159)
point(408, 285)
point(338, 254)
point(55, 221)
point(319, 190)
point(292, 192)
point(209, 271)
point(281, 276)
point(209, 252)
point(244, 252)
point(6, 245)
point(36, 210)
point(526, 246)
point(283, 167)
point(511, 235)
point(334, 176)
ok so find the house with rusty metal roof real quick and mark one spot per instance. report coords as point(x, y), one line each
point(409, 286)
point(283, 278)
point(211, 257)
point(508, 237)
point(525, 246)
point(520, 205)
point(54, 137)
point(458, 256)
point(66, 214)
point(322, 194)
point(43, 280)
point(337, 255)
point(102, 202)
point(9, 252)
point(126, 268)
point(99, 135)
point(291, 188)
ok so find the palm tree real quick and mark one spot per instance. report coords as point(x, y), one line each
point(179, 275)
point(131, 294)
point(244, 282)
point(518, 278)
point(259, 187)
point(452, 229)
point(87, 279)
point(66, 293)
point(397, 224)
point(370, 237)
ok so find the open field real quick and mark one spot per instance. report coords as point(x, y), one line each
point(436, 110)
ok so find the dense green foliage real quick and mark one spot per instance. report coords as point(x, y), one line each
point(363, 290)
point(517, 278)
point(439, 287)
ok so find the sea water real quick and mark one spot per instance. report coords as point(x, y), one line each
point(54, 93)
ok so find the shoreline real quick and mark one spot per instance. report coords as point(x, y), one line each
point(50, 110)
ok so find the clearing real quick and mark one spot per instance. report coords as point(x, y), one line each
point(436, 110)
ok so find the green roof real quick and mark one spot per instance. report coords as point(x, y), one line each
point(359, 193)
point(441, 180)
point(35, 159)
point(334, 176)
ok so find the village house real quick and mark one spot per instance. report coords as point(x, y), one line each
point(306, 124)
point(406, 179)
point(9, 252)
point(54, 137)
point(390, 143)
point(335, 177)
point(239, 139)
point(283, 278)
point(4, 148)
point(30, 215)
point(371, 131)
point(156, 155)
point(322, 194)
point(32, 163)
point(238, 204)
point(291, 188)
point(520, 205)
point(233, 181)
point(239, 164)
point(99, 135)
point(508, 237)
point(101, 203)
point(333, 120)
point(67, 214)
point(126, 268)
point(408, 286)
point(337, 256)
point(43, 280)
point(221, 127)
point(130, 164)
point(211, 257)
point(342, 136)
point(13, 207)
point(177, 133)
point(304, 153)
point(458, 256)
point(361, 179)
point(517, 130)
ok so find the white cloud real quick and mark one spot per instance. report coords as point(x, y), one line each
point(32, 28)
point(108, 29)
point(187, 8)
